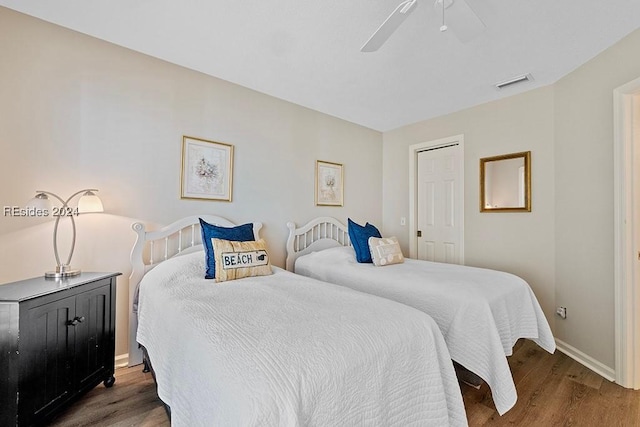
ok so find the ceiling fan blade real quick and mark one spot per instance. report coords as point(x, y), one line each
point(391, 24)
point(464, 22)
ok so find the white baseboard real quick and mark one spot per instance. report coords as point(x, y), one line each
point(122, 360)
point(586, 360)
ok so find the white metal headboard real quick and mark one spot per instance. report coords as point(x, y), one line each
point(153, 247)
point(318, 234)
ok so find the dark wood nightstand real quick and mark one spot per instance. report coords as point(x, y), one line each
point(57, 341)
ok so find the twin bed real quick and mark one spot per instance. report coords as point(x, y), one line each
point(285, 349)
point(481, 313)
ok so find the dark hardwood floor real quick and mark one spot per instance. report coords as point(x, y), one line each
point(553, 390)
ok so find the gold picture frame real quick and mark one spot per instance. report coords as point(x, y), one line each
point(505, 183)
point(207, 170)
point(329, 189)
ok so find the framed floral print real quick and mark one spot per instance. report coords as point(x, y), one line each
point(329, 184)
point(207, 169)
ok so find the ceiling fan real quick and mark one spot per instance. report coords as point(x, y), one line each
point(463, 20)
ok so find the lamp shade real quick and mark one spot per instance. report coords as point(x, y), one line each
point(40, 202)
point(89, 202)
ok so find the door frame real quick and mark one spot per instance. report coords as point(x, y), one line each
point(413, 188)
point(627, 284)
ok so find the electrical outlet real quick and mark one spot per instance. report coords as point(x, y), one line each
point(562, 312)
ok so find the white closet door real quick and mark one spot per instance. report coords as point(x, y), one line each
point(440, 205)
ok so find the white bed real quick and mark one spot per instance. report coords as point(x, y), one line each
point(285, 350)
point(481, 312)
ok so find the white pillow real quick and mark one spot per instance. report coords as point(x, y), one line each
point(385, 251)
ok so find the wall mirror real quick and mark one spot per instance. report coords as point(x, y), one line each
point(505, 183)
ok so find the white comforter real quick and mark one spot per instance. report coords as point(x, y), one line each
point(285, 350)
point(480, 312)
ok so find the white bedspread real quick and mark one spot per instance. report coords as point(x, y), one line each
point(285, 350)
point(480, 312)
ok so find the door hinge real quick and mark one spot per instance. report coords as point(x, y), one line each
point(419, 233)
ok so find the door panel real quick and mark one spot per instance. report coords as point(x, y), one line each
point(449, 253)
point(439, 190)
point(429, 252)
point(46, 367)
point(93, 309)
point(429, 199)
point(449, 203)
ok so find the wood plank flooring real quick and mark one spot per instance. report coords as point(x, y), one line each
point(132, 401)
point(553, 390)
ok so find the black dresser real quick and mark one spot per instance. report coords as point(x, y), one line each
point(57, 341)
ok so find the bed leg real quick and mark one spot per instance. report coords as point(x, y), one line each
point(145, 366)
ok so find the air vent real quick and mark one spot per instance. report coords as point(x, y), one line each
point(516, 80)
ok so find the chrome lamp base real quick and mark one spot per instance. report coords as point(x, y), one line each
point(62, 271)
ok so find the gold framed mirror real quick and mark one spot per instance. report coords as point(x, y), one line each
point(505, 183)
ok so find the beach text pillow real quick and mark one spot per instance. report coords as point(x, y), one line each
point(240, 233)
point(235, 260)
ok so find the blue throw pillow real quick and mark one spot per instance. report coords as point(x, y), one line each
point(241, 233)
point(359, 236)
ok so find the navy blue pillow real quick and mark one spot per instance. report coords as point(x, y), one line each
point(241, 233)
point(359, 236)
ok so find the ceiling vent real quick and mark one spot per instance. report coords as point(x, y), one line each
point(514, 81)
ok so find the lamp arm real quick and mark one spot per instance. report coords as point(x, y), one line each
point(73, 224)
point(73, 240)
point(78, 192)
point(52, 194)
point(55, 240)
point(55, 227)
point(69, 198)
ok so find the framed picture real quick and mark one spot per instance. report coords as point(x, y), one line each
point(329, 184)
point(207, 169)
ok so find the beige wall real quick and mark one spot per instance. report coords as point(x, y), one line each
point(564, 247)
point(77, 112)
point(520, 243)
point(636, 119)
point(583, 134)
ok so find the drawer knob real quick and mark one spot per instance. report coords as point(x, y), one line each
point(75, 321)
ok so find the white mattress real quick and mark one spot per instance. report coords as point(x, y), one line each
point(285, 350)
point(481, 312)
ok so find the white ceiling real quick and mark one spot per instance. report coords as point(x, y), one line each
point(307, 52)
